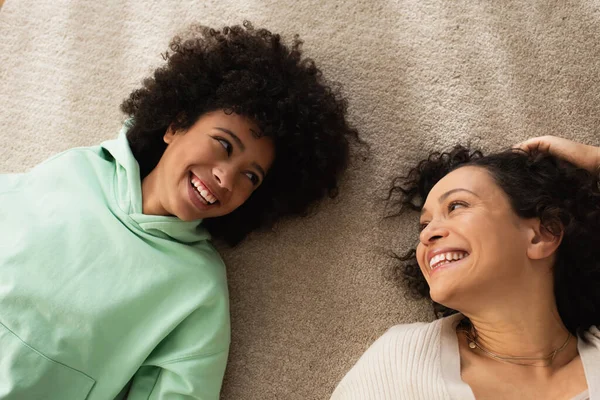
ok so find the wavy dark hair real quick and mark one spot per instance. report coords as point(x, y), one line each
point(565, 198)
point(250, 72)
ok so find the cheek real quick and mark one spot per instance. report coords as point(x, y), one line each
point(192, 151)
point(497, 248)
point(175, 164)
point(242, 192)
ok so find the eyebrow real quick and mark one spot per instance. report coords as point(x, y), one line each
point(448, 193)
point(239, 142)
point(233, 136)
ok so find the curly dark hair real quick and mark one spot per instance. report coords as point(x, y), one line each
point(565, 198)
point(250, 72)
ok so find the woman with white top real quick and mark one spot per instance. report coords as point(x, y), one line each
point(509, 255)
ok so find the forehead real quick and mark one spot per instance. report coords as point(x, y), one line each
point(473, 178)
point(241, 125)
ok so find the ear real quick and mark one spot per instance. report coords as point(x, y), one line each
point(169, 135)
point(542, 242)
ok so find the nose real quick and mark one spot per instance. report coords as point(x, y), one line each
point(433, 232)
point(224, 176)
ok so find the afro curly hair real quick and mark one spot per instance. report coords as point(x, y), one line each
point(250, 72)
point(566, 199)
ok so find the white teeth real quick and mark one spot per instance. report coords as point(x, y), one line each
point(444, 258)
point(203, 191)
point(202, 199)
point(206, 194)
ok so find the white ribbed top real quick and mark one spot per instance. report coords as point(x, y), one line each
point(422, 362)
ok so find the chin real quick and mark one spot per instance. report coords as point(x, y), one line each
point(186, 215)
point(444, 296)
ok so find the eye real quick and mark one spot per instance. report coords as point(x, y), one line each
point(253, 178)
point(456, 204)
point(422, 226)
point(226, 145)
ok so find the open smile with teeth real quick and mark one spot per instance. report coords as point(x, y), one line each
point(446, 258)
point(202, 191)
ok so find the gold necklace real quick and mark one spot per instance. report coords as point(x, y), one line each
point(471, 335)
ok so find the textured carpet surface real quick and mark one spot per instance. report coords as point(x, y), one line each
point(308, 298)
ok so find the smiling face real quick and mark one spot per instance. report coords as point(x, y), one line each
point(208, 170)
point(472, 243)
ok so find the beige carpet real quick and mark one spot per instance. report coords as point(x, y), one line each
point(308, 299)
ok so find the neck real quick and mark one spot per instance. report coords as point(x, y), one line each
point(150, 203)
point(510, 329)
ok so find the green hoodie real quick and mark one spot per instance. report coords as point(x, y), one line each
point(97, 299)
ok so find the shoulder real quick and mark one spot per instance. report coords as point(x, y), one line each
point(392, 359)
point(208, 252)
point(68, 169)
point(205, 331)
point(414, 330)
point(82, 154)
point(75, 162)
point(402, 340)
point(208, 266)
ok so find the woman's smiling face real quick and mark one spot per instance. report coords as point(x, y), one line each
point(210, 169)
point(472, 243)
